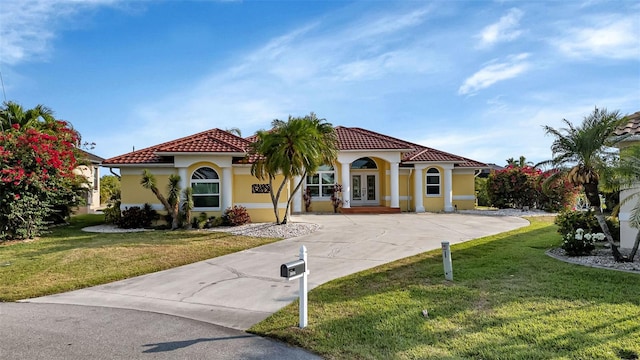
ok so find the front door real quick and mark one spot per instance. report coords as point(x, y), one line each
point(364, 189)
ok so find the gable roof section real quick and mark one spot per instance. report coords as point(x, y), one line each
point(210, 141)
point(426, 154)
point(361, 139)
point(355, 138)
point(630, 128)
point(94, 159)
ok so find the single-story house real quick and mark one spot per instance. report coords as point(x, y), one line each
point(377, 172)
point(631, 136)
point(90, 169)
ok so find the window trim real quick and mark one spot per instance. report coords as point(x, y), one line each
point(427, 185)
point(320, 185)
point(207, 181)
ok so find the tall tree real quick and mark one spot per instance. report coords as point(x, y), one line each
point(37, 157)
point(37, 118)
point(293, 148)
point(583, 152)
point(521, 162)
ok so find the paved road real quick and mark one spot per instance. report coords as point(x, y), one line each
point(238, 290)
point(72, 332)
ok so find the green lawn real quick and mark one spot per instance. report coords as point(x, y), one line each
point(508, 301)
point(68, 258)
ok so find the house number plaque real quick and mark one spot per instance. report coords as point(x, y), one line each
point(260, 188)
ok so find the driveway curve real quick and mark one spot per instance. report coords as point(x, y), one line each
point(241, 289)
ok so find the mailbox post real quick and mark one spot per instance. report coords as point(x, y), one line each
point(303, 290)
point(298, 270)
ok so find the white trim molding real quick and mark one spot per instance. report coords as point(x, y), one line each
point(464, 197)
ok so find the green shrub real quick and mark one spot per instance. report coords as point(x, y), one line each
point(236, 216)
point(481, 192)
point(571, 220)
point(136, 217)
point(580, 243)
point(112, 213)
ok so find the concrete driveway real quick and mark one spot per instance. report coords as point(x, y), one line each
point(241, 289)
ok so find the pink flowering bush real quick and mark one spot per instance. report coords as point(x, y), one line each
point(516, 187)
point(37, 182)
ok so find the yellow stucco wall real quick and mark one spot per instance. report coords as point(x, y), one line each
point(133, 193)
point(464, 185)
point(259, 205)
point(404, 191)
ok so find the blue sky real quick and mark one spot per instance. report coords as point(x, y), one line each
point(474, 78)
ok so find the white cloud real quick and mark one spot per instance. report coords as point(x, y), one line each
point(494, 72)
point(308, 65)
point(506, 29)
point(27, 27)
point(610, 37)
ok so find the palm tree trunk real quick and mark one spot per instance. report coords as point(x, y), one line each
point(273, 200)
point(286, 211)
point(607, 233)
point(175, 221)
point(275, 203)
point(634, 250)
point(591, 192)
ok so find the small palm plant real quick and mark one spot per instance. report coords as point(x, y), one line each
point(582, 153)
point(148, 181)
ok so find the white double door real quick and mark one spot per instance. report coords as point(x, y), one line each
point(364, 188)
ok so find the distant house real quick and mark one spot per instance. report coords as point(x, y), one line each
point(378, 173)
point(631, 132)
point(91, 171)
point(484, 173)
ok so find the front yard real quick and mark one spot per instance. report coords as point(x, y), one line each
point(69, 259)
point(508, 301)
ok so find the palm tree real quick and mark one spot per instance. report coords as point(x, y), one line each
point(582, 153)
point(296, 147)
point(14, 113)
point(148, 181)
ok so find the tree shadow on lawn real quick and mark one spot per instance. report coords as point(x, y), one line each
point(508, 300)
point(54, 244)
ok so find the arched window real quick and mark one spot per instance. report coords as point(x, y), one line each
point(321, 183)
point(364, 163)
point(433, 182)
point(205, 184)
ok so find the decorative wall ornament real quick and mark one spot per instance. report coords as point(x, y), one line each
point(260, 188)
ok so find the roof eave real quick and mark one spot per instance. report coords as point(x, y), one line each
point(162, 153)
point(384, 150)
point(115, 165)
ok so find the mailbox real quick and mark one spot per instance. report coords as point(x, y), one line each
point(292, 269)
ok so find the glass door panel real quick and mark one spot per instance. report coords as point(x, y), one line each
point(371, 187)
point(356, 187)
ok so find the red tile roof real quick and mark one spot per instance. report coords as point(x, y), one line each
point(349, 138)
point(632, 127)
point(210, 141)
point(361, 139)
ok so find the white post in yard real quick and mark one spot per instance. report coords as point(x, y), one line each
point(303, 288)
point(446, 259)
